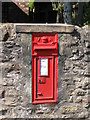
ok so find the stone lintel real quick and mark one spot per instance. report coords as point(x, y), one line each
point(66, 28)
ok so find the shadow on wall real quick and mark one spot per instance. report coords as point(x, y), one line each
point(12, 13)
point(61, 91)
point(43, 13)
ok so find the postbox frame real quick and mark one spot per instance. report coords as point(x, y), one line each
point(43, 100)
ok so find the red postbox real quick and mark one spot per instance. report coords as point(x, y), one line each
point(44, 67)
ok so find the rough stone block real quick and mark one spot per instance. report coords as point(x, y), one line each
point(78, 99)
point(69, 109)
point(87, 71)
point(79, 92)
point(87, 44)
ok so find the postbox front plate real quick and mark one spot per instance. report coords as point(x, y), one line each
point(44, 67)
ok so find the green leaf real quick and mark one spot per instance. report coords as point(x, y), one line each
point(31, 3)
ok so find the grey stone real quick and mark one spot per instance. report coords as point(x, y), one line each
point(68, 65)
point(2, 93)
point(79, 92)
point(69, 108)
point(5, 59)
point(44, 28)
point(75, 57)
point(10, 101)
point(71, 99)
point(87, 71)
point(87, 44)
point(9, 44)
point(39, 112)
point(75, 51)
point(87, 58)
point(87, 51)
point(10, 66)
point(78, 84)
point(85, 84)
point(83, 115)
point(7, 82)
point(78, 99)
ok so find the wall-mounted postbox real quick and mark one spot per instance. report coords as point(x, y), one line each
point(44, 67)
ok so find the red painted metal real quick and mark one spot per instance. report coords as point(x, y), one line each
point(44, 67)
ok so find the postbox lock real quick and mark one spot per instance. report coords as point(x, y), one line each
point(42, 81)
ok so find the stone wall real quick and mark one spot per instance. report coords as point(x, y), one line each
point(73, 73)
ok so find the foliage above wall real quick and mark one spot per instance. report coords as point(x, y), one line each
point(79, 11)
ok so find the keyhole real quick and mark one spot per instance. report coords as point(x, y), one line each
point(40, 81)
